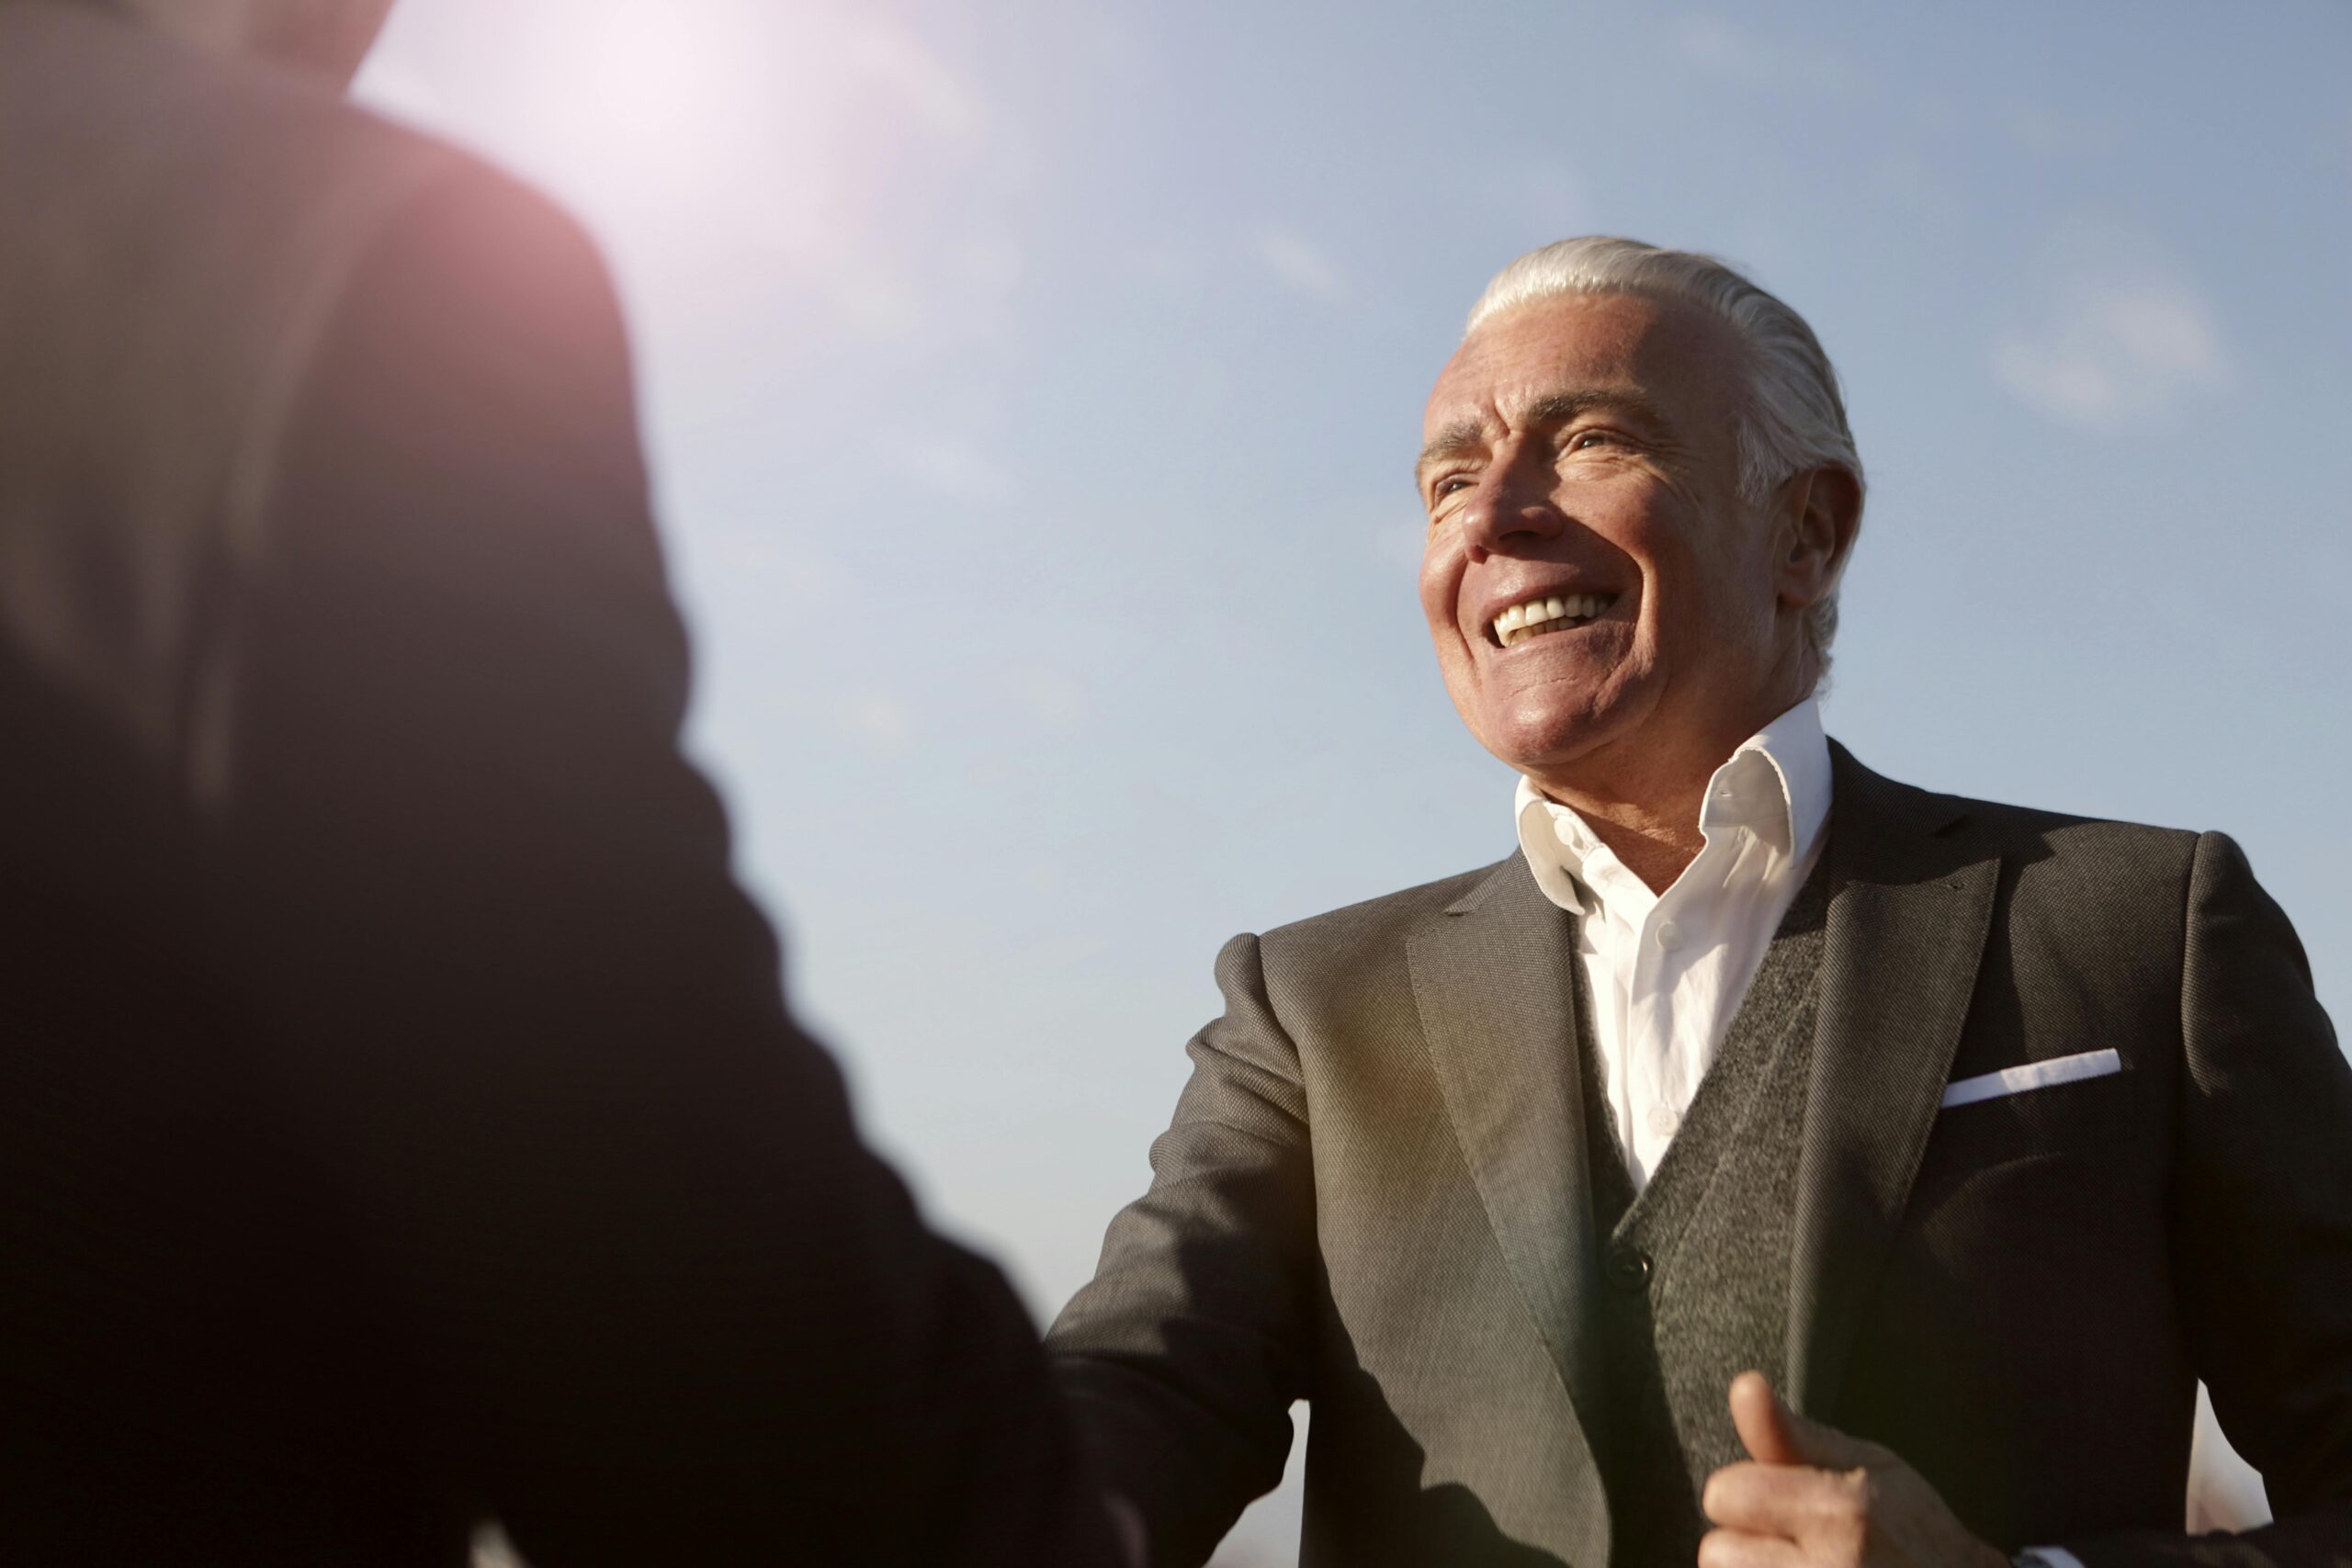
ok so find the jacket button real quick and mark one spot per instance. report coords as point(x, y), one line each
point(1629, 1269)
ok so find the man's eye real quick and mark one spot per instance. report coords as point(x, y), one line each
point(1584, 438)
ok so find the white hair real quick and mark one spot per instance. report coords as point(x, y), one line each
point(1790, 416)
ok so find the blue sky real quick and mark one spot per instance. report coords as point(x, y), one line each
point(1032, 387)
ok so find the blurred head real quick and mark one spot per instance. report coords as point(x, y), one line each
point(1642, 492)
point(323, 38)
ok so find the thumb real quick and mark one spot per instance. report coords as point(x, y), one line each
point(1774, 1434)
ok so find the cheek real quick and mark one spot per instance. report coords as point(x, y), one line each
point(1440, 583)
point(1695, 579)
point(1738, 594)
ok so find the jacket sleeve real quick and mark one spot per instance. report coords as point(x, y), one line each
point(651, 1297)
point(2263, 1207)
point(1182, 1356)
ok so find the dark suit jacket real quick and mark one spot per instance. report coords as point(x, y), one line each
point(400, 1118)
point(1372, 1197)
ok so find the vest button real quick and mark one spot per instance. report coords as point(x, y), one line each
point(1629, 1269)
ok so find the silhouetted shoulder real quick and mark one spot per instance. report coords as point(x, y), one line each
point(185, 232)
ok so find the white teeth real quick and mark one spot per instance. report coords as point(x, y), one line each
point(1532, 617)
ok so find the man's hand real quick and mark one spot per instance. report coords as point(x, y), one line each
point(1812, 1495)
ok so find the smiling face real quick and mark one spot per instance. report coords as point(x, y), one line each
point(1603, 603)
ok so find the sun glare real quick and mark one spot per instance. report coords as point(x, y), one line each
point(679, 97)
point(781, 124)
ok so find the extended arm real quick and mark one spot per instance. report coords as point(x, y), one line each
point(651, 1298)
point(1183, 1357)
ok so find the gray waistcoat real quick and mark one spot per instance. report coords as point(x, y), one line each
point(1696, 1268)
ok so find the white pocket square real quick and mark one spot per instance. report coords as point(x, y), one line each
point(2032, 1075)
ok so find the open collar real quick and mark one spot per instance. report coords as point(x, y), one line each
point(1778, 783)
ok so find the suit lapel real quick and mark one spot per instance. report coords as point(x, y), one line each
point(1911, 903)
point(1492, 977)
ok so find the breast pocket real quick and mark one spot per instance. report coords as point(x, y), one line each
point(1993, 1122)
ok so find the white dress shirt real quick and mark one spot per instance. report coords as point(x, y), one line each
point(1665, 970)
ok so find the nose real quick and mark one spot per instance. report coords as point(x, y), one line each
point(1508, 512)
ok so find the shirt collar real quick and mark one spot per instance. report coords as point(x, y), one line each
point(1776, 782)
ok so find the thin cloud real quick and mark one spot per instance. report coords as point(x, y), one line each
point(2114, 351)
point(897, 62)
point(1302, 264)
point(874, 299)
point(780, 559)
point(882, 722)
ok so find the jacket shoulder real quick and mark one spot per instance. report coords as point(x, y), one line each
point(2088, 895)
point(2047, 847)
point(2079, 878)
point(2073, 835)
point(1377, 924)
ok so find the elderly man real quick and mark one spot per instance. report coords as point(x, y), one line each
point(401, 1122)
point(1751, 1083)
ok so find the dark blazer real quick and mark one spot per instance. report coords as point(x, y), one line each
point(1371, 1198)
point(400, 1123)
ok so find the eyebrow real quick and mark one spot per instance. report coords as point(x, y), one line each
point(1466, 435)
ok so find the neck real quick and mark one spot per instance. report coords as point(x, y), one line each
point(1642, 798)
point(1656, 839)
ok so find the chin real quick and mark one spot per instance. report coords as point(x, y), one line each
point(1544, 730)
point(1534, 744)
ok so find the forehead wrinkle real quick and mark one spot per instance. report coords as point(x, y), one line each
point(1560, 408)
point(1469, 435)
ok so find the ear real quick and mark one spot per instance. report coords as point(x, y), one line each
point(1820, 512)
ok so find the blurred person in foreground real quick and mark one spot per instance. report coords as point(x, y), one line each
point(400, 1123)
point(1749, 1084)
